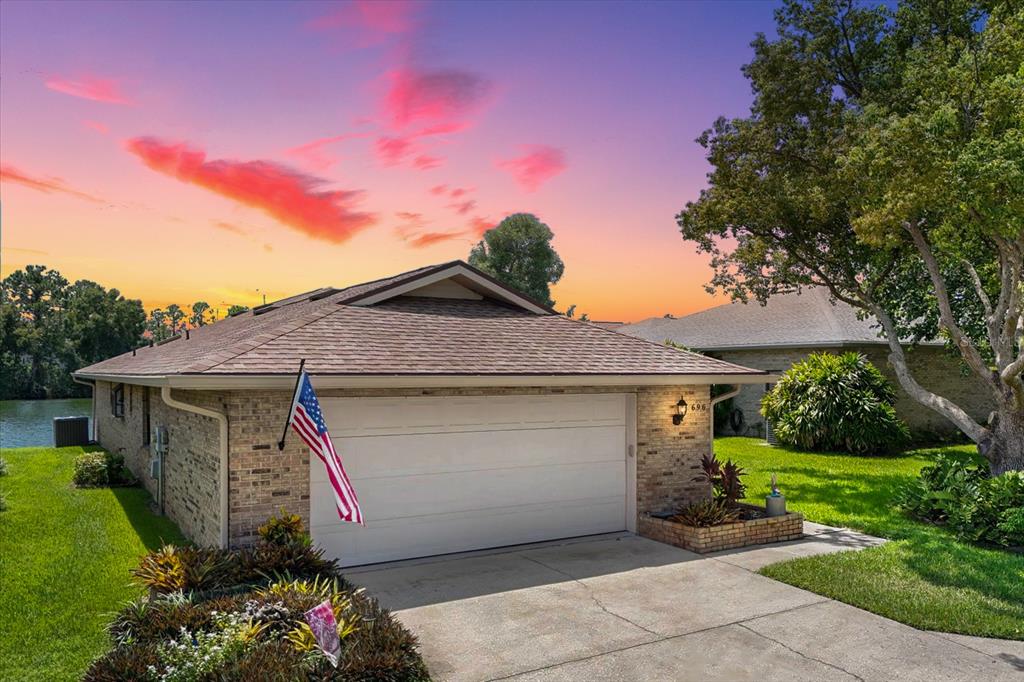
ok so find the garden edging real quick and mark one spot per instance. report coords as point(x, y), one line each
point(702, 540)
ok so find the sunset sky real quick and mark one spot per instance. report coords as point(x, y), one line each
point(220, 151)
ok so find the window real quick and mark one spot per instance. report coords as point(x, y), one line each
point(117, 400)
point(145, 415)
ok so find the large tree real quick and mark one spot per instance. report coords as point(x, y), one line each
point(883, 158)
point(518, 252)
point(48, 329)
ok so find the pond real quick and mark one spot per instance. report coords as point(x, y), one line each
point(26, 423)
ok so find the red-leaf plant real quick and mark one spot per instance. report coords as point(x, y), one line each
point(724, 479)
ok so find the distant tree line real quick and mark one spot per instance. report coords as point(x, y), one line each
point(50, 327)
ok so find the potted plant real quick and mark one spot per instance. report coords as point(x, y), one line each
point(775, 502)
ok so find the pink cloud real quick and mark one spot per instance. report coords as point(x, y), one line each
point(438, 190)
point(46, 185)
point(97, 126)
point(392, 150)
point(537, 165)
point(315, 155)
point(425, 162)
point(430, 238)
point(371, 21)
point(463, 207)
point(89, 87)
point(478, 225)
point(287, 195)
point(412, 230)
point(230, 227)
point(440, 95)
point(458, 192)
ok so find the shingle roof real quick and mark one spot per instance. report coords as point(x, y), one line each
point(406, 335)
point(805, 319)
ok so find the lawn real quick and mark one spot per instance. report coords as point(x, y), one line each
point(924, 577)
point(65, 554)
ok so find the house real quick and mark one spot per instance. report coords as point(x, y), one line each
point(791, 326)
point(467, 414)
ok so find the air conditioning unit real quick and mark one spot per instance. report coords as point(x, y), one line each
point(70, 431)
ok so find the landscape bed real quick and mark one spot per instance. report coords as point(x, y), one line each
point(72, 587)
point(759, 530)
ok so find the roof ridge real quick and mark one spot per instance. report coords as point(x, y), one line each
point(242, 347)
point(663, 346)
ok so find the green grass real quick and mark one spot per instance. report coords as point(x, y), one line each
point(924, 577)
point(65, 554)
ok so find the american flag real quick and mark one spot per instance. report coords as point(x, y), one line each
point(308, 421)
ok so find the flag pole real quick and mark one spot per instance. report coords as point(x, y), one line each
point(288, 419)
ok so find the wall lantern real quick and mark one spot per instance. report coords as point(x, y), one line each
point(680, 414)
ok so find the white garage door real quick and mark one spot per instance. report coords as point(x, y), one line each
point(437, 475)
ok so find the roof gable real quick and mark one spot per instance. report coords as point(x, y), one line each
point(457, 272)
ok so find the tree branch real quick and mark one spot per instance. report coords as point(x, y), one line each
point(898, 359)
point(967, 348)
point(985, 301)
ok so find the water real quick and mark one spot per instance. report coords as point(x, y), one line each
point(30, 422)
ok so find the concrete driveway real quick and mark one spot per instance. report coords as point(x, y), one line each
point(626, 608)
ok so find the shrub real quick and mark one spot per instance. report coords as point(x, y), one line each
point(707, 513)
point(100, 469)
point(123, 664)
point(258, 635)
point(91, 469)
point(170, 569)
point(836, 403)
point(216, 614)
point(958, 491)
point(286, 529)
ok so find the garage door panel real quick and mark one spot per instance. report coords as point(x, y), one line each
point(441, 534)
point(448, 474)
point(473, 491)
point(350, 417)
point(405, 455)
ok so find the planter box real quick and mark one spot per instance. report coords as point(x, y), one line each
point(726, 536)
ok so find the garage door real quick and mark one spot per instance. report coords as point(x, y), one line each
point(437, 475)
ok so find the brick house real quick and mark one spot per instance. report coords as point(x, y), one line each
point(468, 416)
point(789, 328)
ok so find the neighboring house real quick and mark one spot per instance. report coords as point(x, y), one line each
point(790, 327)
point(467, 415)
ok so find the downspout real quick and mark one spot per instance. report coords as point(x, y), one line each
point(222, 419)
point(92, 399)
point(714, 401)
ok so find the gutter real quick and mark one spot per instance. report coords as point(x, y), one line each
point(714, 401)
point(286, 380)
point(222, 420)
point(92, 400)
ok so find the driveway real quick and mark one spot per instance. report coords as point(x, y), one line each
point(626, 608)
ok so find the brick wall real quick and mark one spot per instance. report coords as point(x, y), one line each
point(725, 536)
point(932, 367)
point(262, 479)
point(190, 472)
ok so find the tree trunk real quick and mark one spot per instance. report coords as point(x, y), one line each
point(1003, 446)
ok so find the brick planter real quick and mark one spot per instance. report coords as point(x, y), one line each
point(726, 536)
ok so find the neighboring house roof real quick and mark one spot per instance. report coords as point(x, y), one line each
point(443, 320)
point(796, 320)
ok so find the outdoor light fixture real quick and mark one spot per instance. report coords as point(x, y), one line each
point(680, 414)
